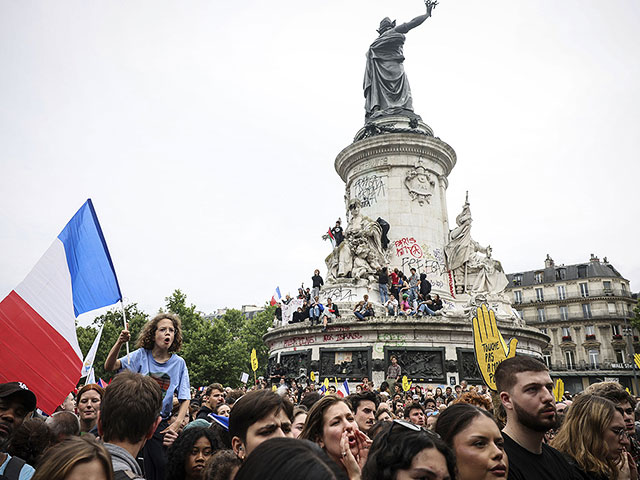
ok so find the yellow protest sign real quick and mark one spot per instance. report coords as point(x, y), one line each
point(254, 360)
point(274, 388)
point(489, 346)
point(558, 390)
point(313, 376)
point(636, 358)
point(406, 384)
point(326, 383)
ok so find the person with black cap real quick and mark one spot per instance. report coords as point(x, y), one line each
point(17, 403)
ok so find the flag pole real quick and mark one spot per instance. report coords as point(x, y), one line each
point(124, 319)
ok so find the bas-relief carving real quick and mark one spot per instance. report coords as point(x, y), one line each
point(468, 366)
point(344, 364)
point(293, 362)
point(427, 364)
point(419, 183)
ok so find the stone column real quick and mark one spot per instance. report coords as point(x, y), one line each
point(399, 173)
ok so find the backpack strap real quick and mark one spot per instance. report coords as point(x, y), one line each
point(12, 471)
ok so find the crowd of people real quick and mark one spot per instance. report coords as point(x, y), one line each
point(400, 295)
point(149, 423)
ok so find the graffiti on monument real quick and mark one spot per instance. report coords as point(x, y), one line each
point(408, 246)
point(368, 189)
point(339, 294)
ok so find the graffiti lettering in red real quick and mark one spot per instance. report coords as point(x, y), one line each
point(408, 246)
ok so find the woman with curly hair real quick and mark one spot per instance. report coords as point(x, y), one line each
point(155, 356)
point(187, 457)
point(593, 437)
point(75, 458)
point(403, 451)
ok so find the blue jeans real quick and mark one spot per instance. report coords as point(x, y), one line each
point(413, 294)
point(314, 314)
point(384, 292)
point(423, 308)
point(360, 316)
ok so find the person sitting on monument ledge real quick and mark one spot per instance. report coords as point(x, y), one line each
point(298, 316)
point(430, 306)
point(330, 313)
point(363, 308)
point(392, 306)
point(405, 308)
point(315, 310)
point(394, 283)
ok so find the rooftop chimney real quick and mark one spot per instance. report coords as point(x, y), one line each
point(548, 263)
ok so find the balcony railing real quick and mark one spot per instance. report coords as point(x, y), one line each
point(554, 297)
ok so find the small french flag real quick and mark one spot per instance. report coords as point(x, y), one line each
point(322, 390)
point(102, 383)
point(343, 391)
point(276, 297)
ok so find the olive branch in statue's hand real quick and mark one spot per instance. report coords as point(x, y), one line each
point(490, 347)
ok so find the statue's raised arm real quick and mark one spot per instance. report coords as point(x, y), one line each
point(386, 88)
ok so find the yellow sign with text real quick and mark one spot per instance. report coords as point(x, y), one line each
point(489, 346)
point(313, 376)
point(254, 360)
point(406, 384)
point(558, 390)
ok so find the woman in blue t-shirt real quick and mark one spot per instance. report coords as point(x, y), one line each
point(157, 342)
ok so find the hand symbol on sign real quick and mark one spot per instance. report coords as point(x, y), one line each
point(490, 347)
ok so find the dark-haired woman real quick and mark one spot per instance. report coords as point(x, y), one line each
point(403, 451)
point(474, 436)
point(332, 425)
point(187, 457)
point(287, 458)
point(157, 343)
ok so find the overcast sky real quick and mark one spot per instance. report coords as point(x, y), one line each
point(206, 131)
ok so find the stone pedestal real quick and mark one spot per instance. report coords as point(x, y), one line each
point(399, 174)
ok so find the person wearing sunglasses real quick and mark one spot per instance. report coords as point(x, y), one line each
point(403, 451)
point(593, 438)
point(474, 436)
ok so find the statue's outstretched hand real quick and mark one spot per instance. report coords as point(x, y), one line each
point(490, 347)
point(430, 6)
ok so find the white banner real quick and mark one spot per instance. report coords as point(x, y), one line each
point(87, 365)
point(288, 310)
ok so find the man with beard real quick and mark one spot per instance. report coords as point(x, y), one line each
point(17, 403)
point(526, 392)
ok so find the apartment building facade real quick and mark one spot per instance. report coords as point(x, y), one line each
point(586, 310)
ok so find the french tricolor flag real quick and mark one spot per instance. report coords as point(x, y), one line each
point(276, 297)
point(39, 346)
point(343, 391)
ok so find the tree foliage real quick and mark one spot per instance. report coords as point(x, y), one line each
point(215, 349)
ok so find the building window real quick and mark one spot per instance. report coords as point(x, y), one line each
point(606, 285)
point(518, 296)
point(539, 277)
point(517, 279)
point(561, 273)
point(594, 358)
point(611, 307)
point(620, 355)
point(520, 314)
point(541, 317)
point(547, 359)
point(539, 295)
point(582, 271)
point(586, 310)
point(544, 330)
point(569, 358)
point(624, 288)
point(566, 332)
point(564, 313)
point(562, 292)
point(584, 290)
point(615, 330)
point(590, 330)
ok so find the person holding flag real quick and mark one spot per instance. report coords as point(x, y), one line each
point(157, 343)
